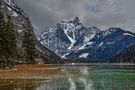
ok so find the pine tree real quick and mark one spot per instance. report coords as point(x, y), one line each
point(2, 42)
point(7, 42)
point(28, 45)
point(11, 41)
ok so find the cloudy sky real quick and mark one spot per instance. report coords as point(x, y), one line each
point(100, 13)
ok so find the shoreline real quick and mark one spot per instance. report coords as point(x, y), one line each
point(49, 71)
point(38, 71)
point(85, 64)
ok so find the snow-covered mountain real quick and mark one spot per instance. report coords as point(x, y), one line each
point(71, 40)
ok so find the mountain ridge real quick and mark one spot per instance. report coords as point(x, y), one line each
point(71, 40)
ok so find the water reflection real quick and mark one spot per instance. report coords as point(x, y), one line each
point(84, 70)
point(87, 84)
point(78, 78)
point(72, 84)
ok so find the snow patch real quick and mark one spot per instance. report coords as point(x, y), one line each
point(84, 55)
point(106, 33)
point(89, 43)
point(15, 14)
point(86, 39)
point(82, 47)
point(128, 34)
point(9, 9)
point(100, 44)
point(70, 28)
point(64, 56)
point(89, 38)
point(19, 31)
point(42, 42)
point(56, 51)
point(109, 43)
point(78, 26)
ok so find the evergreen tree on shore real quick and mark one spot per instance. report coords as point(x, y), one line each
point(11, 37)
point(2, 31)
point(7, 42)
point(28, 45)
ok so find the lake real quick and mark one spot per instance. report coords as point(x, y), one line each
point(79, 77)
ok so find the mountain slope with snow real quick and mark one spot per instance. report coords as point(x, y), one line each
point(22, 23)
point(71, 40)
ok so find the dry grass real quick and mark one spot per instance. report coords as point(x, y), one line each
point(30, 72)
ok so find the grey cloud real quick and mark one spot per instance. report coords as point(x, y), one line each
point(100, 13)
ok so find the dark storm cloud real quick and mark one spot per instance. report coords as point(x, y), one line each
point(101, 13)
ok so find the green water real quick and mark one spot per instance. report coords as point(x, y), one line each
point(79, 78)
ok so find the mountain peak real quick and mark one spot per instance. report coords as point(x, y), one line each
point(76, 20)
point(94, 28)
point(115, 29)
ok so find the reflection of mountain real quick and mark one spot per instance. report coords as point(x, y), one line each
point(71, 40)
point(87, 83)
point(72, 84)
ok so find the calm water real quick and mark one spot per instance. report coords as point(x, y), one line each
point(80, 78)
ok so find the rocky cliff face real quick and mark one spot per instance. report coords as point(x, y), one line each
point(21, 21)
point(71, 40)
